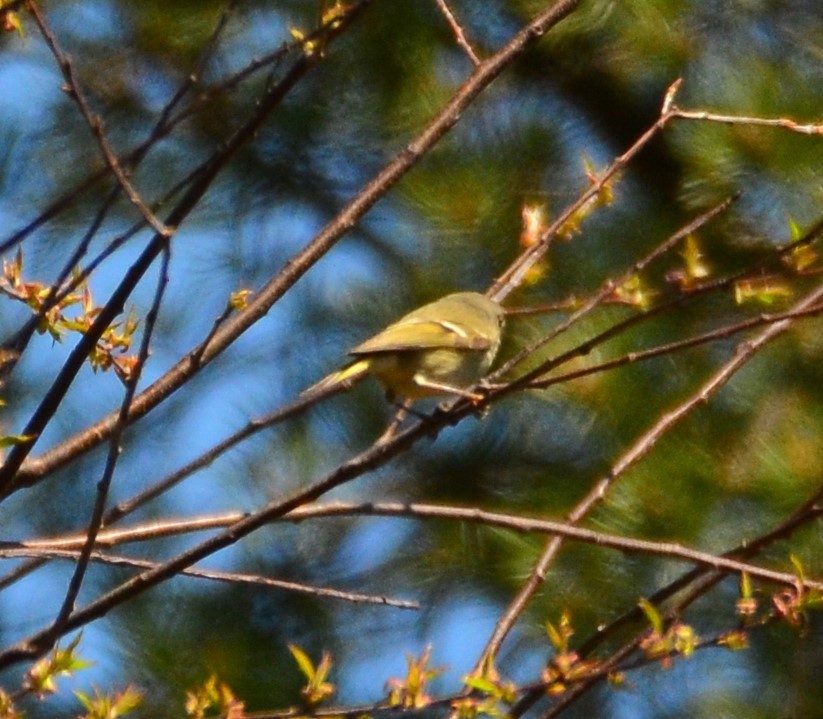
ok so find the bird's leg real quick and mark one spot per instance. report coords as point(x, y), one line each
point(422, 381)
point(403, 410)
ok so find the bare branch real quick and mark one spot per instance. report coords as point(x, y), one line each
point(414, 510)
point(104, 485)
point(777, 122)
point(227, 577)
point(95, 123)
point(459, 35)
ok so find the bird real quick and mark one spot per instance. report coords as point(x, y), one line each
point(442, 348)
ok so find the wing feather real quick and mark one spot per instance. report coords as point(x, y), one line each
point(415, 334)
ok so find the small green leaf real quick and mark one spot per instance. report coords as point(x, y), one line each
point(654, 617)
point(481, 684)
point(794, 229)
point(104, 706)
point(798, 567)
point(303, 661)
point(15, 439)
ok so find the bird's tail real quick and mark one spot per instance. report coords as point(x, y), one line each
point(339, 381)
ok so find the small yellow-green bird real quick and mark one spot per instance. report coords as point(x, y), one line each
point(442, 348)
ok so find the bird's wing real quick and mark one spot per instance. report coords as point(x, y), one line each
point(414, 334)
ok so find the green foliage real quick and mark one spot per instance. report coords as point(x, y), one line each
point(102, 706)
point(41, 678)
point(213, 699)
point(410, 691)
point(317, 689)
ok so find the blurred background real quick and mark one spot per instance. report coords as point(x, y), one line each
point(579, 98)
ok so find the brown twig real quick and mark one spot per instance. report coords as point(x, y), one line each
point(712, 336)
point(698, 581)
point(471, 515)
point(778, 122)
point(95, 123)
point(459, 35)
point(368, 460)
point(228, 577)
point(104, 485)
point(206, 458)
point(132, 157)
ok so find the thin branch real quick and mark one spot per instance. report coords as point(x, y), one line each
point(164, 126)
point(808, 512)
point(104, 485)
point(254, 426)
point(459, 35)
point(678, 346)
point(149, 531)
point(206, 458)
point(228, 577)
point(669, 550)
point(372, 458)
point(618, 662)
point(95, 123)
point(193, 77)
point(132, 157)
point(33, 645)
point(533, 376)
point(60, 288)
point(625, 659)
point(780, 122)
